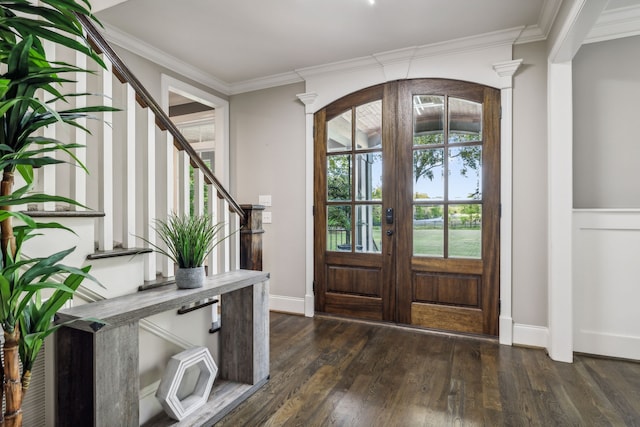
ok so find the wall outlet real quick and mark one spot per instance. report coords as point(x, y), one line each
point(264, 199)
point(266, 217)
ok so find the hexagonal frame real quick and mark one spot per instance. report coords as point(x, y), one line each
point(177, 366)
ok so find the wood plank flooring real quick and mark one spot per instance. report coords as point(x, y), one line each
point(332, 372)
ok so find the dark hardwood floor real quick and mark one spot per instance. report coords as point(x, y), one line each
point(326, 371)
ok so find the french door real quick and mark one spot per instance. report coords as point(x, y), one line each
point(407, 205)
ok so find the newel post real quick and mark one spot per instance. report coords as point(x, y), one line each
point(251, 238)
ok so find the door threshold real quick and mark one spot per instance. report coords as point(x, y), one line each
point(411, 328)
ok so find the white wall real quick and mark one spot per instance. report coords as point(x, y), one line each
point(530, 186)
point(267, 139)
point(606, 234)
point(606, 155)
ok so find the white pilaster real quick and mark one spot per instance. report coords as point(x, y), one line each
point(564, 43)
point(308, 99)
point(506, 71)
point(560, 190)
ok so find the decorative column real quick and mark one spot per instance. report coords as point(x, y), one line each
point(506, 71)
point(308, 99)
point(251, 238)
point(564, 44)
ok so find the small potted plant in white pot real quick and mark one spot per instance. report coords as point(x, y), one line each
point(189, 240)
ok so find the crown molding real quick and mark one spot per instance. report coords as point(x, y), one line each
point(465, 44)
point(516, 35)
point(615, 24)
point(395, 56)
point(348, 65)
point(540, 31)
point(531, 33)
point(145, 50)
point(548, 15)
point(265, 82)
point(377, 60)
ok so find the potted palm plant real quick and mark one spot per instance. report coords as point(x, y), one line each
point(188, 240)
point(26, 74)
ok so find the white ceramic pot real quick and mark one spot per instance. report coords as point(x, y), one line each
point(190, 278)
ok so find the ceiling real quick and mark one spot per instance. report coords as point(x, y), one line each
point(235, 41)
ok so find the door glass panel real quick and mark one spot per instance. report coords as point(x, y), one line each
point(428, 174)
point(369, 176)
point(465, 173)
point(465, 121)
point(368, 224)
point(428, 119)
point(465, 231)
point(369, 125)
point(339, 228)
point(428, 230)
point(339, 133)
point(339, 177)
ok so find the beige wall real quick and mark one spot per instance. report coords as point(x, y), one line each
point(268, 126)
point(530, 186)
point(606, 147)
point(267, 138)
point(267, 135)
point(149, 74)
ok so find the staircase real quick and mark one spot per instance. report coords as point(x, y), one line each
point(141, 169)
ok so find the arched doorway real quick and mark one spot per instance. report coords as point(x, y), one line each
point(407, 205)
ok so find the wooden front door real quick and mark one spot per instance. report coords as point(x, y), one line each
point(407, 205)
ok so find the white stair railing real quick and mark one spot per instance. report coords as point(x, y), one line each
point(142, 169)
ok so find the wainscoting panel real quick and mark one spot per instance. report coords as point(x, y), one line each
point(606, 282)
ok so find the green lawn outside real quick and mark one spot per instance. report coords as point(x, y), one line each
point(463, 242)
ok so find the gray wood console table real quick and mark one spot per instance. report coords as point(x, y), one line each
point(97, 375)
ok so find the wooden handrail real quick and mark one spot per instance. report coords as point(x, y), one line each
point(163, 121)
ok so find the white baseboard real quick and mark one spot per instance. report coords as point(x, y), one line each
point(309, 305)
point(506, 330)
point(530, 335)
point(607, 344)
point(287, 304)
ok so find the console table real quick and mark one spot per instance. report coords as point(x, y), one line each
point(97, 375)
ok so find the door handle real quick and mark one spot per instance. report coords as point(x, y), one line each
point(389, 215)
point(389, 232)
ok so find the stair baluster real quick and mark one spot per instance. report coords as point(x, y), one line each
point(128, 170)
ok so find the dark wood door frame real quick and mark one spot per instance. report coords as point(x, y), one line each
point(395, 299)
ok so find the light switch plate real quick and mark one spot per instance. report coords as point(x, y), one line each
point(264, 199)
point(266, 217)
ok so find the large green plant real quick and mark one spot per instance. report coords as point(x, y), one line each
point(25, 26)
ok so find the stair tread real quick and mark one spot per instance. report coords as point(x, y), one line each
point(64, 214)
point(118, 252)
point(160, 281)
